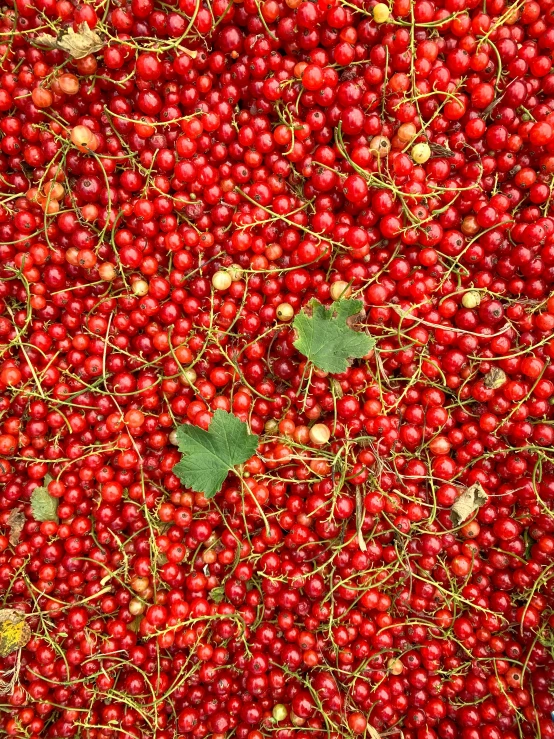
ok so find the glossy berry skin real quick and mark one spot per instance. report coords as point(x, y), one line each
point(181, 195)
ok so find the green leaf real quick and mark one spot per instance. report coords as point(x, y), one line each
point(326, 338)
point(217, 594)
point(209, 456)
point(43, 505)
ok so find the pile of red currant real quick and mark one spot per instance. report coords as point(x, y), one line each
point(325, 227)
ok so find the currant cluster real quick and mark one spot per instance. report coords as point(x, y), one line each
point(332, 220)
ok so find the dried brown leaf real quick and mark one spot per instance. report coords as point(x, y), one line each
point(6, 687)
point(360, 519)
point(14, 631)
point(44, 39)
point(16, 522)
point(468, 503)
point(9, 678)
point(82, 43)
point(77, 44)
point(190, 52)
point(495, 378)
point(360, 317)
point(441, 151)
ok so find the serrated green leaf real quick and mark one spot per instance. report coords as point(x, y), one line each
point(209, 456)
point(43, 505)
point(217, 594)
point(327, 340)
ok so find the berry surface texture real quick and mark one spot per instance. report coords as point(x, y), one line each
point(276, 369)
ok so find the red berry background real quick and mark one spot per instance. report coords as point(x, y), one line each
point(181, 181)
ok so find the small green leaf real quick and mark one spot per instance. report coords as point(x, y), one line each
point(43, 505)
point(217, 594)
point(327, 340)
point(209, 456)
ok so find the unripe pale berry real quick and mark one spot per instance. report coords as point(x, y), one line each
point(222, 280)
point(54, 190)
point(340, 289)
point(320, 434)
point(395, 666)
point(140, 584)
point(235, 271)
point(285, 312)
point(136, 607)
point(140, 288)
point(83, 138)
point(188, 376)
point(280, 712)
point(381, 13)
point(106, 271)
point(69, 84)
point(421, 153)
point(271, 426)
point(379, 146)
point(406, 132)
point(471, 299)
point(296, 720)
